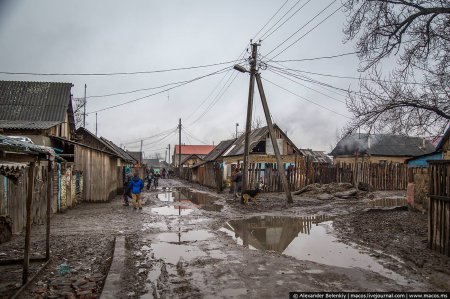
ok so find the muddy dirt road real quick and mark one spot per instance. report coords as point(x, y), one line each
point(188, 242)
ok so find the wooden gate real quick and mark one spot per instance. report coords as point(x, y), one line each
point(439, 207)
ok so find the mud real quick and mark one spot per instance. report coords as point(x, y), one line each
point(223, 249)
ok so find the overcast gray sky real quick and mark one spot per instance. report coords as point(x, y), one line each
point(104, 36)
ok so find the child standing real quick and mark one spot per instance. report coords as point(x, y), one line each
point(136, 186)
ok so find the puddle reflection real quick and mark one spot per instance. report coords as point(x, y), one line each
point(172, 210)
point(305, 238)
point(201, 200)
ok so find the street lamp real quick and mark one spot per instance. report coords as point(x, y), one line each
point(240, 68)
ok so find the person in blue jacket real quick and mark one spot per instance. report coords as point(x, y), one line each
point(136, 185)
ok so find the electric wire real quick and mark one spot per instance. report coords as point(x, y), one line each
point(120, 73)
point(306, 24)
point(160, 140)
point(132, 91)
point(317, 58)
point(310, 88)
point(271, 18)
point(192, 136)
point(149, 137)
point(347, 77)
point(318, 83)
point(216, 100)
point(162, 91)
point(279, 20)
point(276, 29)
point(306, 99)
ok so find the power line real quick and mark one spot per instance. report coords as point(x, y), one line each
point(216, 99)
point(317, 58)
point(348, 77)
point(309, 31)
point(150, 137)
point(270, 19)
point(192, 136)
point(276, 29)
point(307, 23)
point(162, 91)
point(133, 91)
point(279, 20)
point(157, 142)
point(338, 100)
point(119, 73)
point(306, 99)
point(318, 83)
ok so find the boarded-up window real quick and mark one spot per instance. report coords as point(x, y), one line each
point(269, 147)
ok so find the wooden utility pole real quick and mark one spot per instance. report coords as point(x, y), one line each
point(26, 254)
point(169, 153)
point(84, 107)
point(96, 124)
point(251, 91)
point(49, 208)
point(141, 154)
point(179, 147)
point(273, 138)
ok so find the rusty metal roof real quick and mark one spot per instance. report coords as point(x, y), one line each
point(34, 105)
point(194, 149)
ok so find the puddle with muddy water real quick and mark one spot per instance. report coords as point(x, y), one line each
point(185, 195)
point(173, 246)
point(307, 238)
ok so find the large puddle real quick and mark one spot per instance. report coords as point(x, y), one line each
point(306, 238)
point(187, 196)
point(176, 246)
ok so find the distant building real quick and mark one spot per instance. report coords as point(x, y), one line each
point(187, 150)
point(379, 148)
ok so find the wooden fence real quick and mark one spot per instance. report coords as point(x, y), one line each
point(439, 207)
point(67, 192)
point(379, 176)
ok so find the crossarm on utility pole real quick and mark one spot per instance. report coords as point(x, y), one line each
point(273, 138)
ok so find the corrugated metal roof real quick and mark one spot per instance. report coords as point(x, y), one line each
point(33, 102)
point(219, 150)
point(316, 156)
point(256, 136)
point(20, 124)
point(194, 149)
point(121, 152)
point(135, 155)
point(382, 145)
point(11, 145)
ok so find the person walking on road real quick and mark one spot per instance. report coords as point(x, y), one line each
point(126, 186)
point(237, 183)
point(136, 186)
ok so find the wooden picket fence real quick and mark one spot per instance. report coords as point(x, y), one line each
point(439, 207)
point(379, 176)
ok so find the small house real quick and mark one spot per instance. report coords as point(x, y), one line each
point(200, 151)
point(261, 151)
point(36, 110)
point(379, 148)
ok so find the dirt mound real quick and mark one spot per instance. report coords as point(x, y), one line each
point(331, 188)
